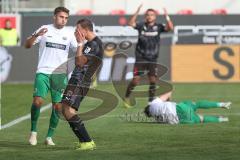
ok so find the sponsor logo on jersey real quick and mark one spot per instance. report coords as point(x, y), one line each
point(64, 38)
point(56, 45)
point(155, 28)
point(87, 50)
point(149, 33)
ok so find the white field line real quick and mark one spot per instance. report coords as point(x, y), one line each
point(23, 118)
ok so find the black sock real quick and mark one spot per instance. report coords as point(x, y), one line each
point(129, 89)
point(79, 129)
point(152, 89)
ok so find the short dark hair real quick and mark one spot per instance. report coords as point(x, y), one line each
point(61, 9)
point(86, 24)
point(151, 10)
point(146, 111)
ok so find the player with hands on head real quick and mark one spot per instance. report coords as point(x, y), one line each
point(87, 61)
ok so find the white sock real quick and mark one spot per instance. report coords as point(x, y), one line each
point(224, 104)
point(34, 133)
point(223, 119)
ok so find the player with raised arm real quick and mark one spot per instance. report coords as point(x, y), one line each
point(88, 60)
point(170, 112)
point(147, 49)
point(54, 40)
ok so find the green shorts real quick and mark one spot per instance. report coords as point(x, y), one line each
point(55, 83)
point(186, 112)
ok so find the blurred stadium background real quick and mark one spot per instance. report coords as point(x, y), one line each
point(209, 30)
point(202, 55)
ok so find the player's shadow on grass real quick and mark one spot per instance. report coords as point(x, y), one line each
point(25, 146)
point(143, 122)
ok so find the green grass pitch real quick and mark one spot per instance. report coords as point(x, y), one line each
point(119, 139)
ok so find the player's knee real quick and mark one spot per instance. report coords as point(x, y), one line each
point(64, 111)
point(68, 111)
point(57, 106)
point(38, 101)
point(152, 79)
point(135, 81)
point(153, 82)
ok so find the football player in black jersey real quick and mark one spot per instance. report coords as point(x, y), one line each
point(88, 59)
point(147, 49)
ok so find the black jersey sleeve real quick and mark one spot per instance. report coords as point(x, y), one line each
point(94, 53)
point(161, 27)
point(94, 49)
point(139, 25)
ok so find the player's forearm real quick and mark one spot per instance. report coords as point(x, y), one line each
point(169, 26)
point(30, 41)
point(132, 21)
point(166, 96)
point(79, 59)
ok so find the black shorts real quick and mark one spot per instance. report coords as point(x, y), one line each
point(76, 89)
point(140, 68)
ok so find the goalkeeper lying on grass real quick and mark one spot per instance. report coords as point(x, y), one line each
point(165, 111)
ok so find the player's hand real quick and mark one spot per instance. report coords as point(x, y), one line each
point(41, 32)
point(167, 17)
point(139, 8)
point(165, 12)
point(80, 37)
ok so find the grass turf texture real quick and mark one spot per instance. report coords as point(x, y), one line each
point(118, 139)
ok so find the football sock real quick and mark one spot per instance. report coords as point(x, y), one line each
point(152, 89)
point(79, 129)
point(225, 104)
point(209, 119)
point(207, 104)
point(53, 122)
point(223, 119)
point(35, 112)
point(129, 89)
